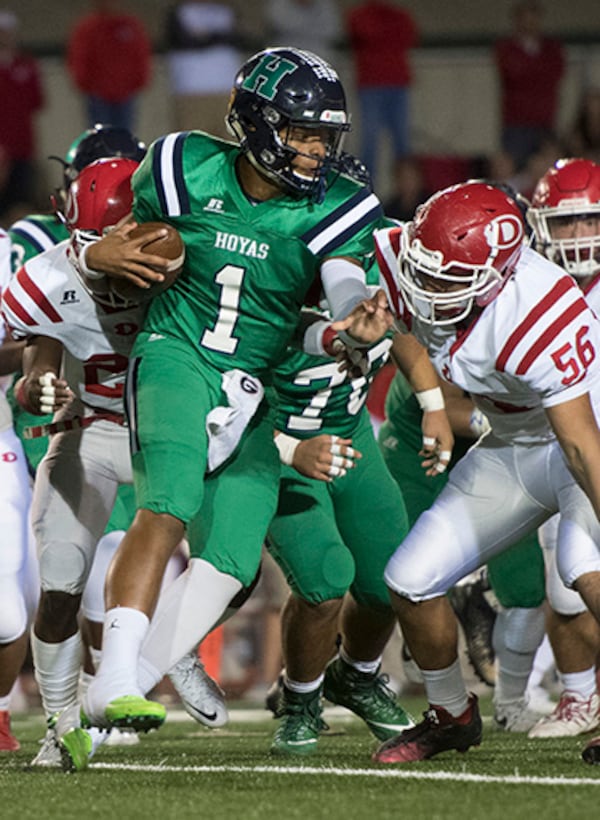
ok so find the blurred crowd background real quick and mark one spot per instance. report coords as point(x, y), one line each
point(454, 113)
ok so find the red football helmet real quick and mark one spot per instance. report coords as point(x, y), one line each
point(568, 193)
point(455, 254)
point(96, 201)
point(99, 197)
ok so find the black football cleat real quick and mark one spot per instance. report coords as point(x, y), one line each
point(591, 753)
point(438, 732)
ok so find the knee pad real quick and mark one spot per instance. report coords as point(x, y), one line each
point(13, 612)
point(329, 580)
point(64, 567)
point(522, 629)
point(563, 600)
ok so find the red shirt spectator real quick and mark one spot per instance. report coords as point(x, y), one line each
point(109, 54)
point(21, 94)
point(530, 77)
point(530, 67)
point(22, 97)
point(381, 35)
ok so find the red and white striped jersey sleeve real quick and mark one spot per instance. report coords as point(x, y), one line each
point(387, 247)
point(29, 308)
point(554, 341)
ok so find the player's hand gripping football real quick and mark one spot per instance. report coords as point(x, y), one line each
point(120, 256)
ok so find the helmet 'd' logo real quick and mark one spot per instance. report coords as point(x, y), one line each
point(504, 232)
point(265, 77)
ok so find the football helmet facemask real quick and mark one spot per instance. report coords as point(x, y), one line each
point(276, 91)
point(568, 192)
point(457, 251)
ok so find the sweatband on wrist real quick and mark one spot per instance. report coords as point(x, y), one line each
point(81, 261)
point(287, 447)
point(332, 344)
point(430, 400)
point(312, 342)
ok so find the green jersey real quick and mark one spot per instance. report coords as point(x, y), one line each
point(248, 264)
point(314, 397)
point(32, 235)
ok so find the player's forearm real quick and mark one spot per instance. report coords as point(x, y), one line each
point(38, 391)
point(577, 431)
point(344, 285)
point(11, 353)
point(411, 358)
point(42, 354)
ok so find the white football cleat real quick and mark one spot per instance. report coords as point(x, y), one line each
point(515, 715)
point(201, 696)
point(573, 715)
point(49, 755)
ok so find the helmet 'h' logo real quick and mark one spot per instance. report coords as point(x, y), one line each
point(264, 79)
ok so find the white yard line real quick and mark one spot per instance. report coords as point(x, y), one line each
point(457, 777)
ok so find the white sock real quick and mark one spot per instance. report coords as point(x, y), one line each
point(187, 611)
point(368, 667)
point(56, 669)
point(84, 681)
point(95, 655)
point(542, 663)
point(122, 636)
point(5, 703)
point(446, 688)
point(584, 683)
point(301, 687)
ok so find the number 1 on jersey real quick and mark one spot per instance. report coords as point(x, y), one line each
point(221, 338)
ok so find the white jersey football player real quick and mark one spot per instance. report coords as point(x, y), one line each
point(18, 566)
point(565, 216)
point(514, 331)
point(74, 365)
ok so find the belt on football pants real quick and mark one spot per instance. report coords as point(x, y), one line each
point(76, 423)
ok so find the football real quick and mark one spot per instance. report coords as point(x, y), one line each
point(170, 247)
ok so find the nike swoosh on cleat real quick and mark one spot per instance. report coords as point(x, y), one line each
point(206, 715)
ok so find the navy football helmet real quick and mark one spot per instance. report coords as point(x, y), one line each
point(279, 89)
point(99, 142)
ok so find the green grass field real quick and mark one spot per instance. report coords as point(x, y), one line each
point(184, 771)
